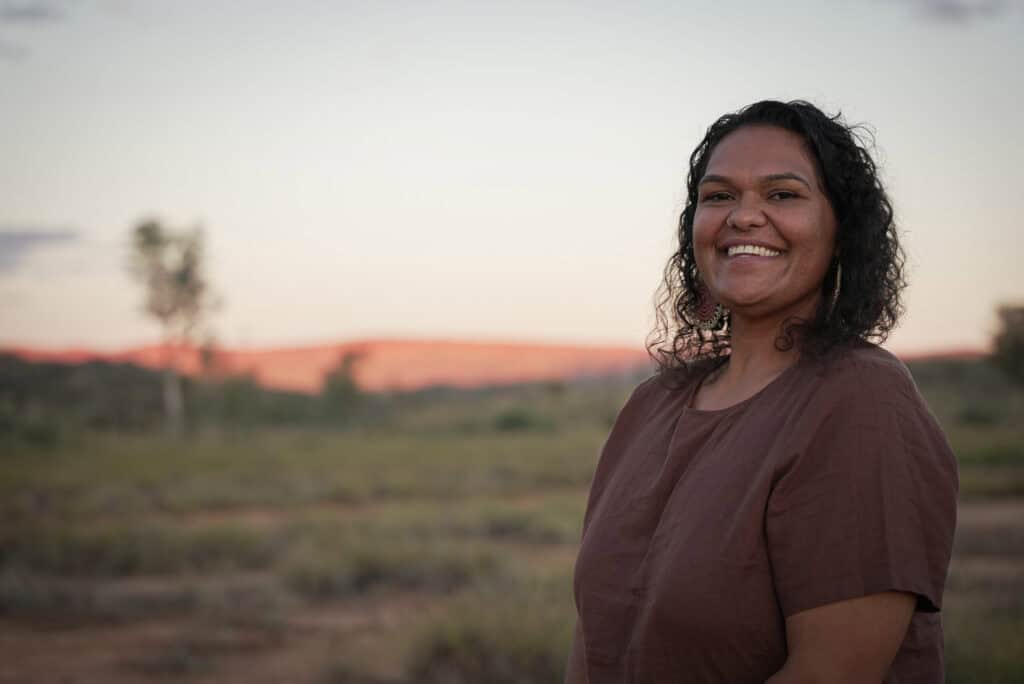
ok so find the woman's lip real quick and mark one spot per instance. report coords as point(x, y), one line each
point(728, 244)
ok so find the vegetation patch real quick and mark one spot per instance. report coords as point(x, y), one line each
point(62, 602)
point(990, 483)
point(239, 528)
point(983, 645)
point(114, 551)
point(358, 566)
point(501, 634)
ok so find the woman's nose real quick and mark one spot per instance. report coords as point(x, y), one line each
point(746, 214)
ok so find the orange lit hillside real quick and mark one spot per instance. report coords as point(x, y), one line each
point(387, 364)
point(404, 364)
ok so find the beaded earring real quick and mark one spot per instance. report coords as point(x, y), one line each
point(708, 313)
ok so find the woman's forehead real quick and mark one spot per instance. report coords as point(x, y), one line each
point(761, 150)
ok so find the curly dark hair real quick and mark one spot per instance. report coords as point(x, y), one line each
point(868, 305)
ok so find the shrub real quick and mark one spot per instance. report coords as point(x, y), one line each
point(538, 527)
point(1008, 353)
point(979, 415)
point(517, 419)
point(500, 635)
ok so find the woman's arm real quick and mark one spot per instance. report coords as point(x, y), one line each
point(851, 641)
point(576, 670)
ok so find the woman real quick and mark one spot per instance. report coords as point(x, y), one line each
point(777, 503)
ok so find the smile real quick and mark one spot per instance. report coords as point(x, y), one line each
point(753, 250)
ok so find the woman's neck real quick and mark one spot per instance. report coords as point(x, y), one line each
point(754, 351)
point(753, 362)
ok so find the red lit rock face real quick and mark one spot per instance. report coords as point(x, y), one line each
point(386, 364)
point(403, 364)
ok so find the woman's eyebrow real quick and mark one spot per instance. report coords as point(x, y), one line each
point(712, 178)
point(789, 175)
point(786, 176)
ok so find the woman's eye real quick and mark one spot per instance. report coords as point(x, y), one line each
point(716, 196)
point(783, 194)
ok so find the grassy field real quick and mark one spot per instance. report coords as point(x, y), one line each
point(437, 550)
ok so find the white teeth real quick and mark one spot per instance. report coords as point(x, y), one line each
point(756, 250)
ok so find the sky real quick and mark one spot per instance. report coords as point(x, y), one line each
point(471, 170)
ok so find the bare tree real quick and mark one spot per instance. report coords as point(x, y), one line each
point(170, 264)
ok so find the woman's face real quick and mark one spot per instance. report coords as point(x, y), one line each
point(764, 232)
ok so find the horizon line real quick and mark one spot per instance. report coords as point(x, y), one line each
point(15, 347)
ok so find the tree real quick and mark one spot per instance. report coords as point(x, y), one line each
point(170, 264)
point(1008, 345)
point(340, 395)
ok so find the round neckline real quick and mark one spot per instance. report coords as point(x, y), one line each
point(688, 408)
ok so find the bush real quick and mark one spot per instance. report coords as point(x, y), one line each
point(499, 635)
point(979, 415)
point(517, 419)
point(535, 527)
point(31, 427)
point(96, 394)
point(1008, 353)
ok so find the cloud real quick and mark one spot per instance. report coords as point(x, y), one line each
point(961, 11)
point(15, 244)
point(38, 12)
point(27, 14)
point(21, 16)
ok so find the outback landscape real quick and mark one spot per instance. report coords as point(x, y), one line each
point(315, 316)
point(417, 536)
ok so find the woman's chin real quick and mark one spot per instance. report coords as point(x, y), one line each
point(745, 304)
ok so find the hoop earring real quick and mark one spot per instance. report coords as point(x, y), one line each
point(835, 291)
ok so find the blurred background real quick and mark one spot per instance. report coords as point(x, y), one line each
point(314, 316)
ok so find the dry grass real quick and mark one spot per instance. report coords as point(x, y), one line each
point(439, 553)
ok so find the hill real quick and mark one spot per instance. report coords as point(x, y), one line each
point(385, 364)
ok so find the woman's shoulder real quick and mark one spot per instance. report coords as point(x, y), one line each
point(866, 370)
point(869, 391)
point(863, 398)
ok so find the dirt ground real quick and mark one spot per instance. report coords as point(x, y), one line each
point(306, 647)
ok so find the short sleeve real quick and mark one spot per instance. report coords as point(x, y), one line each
point(867, 502)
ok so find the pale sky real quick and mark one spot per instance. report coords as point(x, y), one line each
point(482, 170)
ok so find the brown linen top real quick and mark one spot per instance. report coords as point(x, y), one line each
point(704, 530)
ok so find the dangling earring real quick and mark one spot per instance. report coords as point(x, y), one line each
point(708, 313)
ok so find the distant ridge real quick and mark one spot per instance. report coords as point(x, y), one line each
point(383, 364)
point(396, 364)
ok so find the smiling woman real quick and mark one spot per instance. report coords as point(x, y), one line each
point(777, 503)
point(764, 231)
